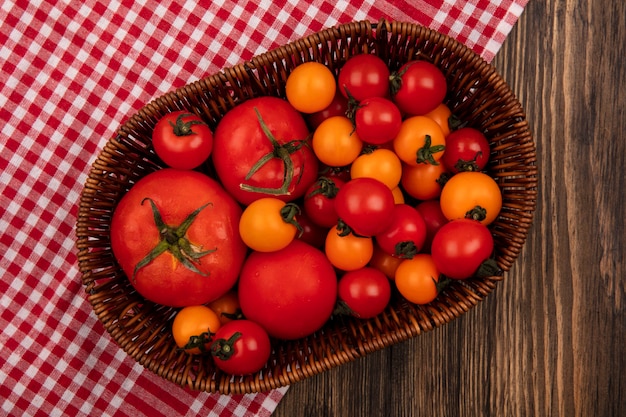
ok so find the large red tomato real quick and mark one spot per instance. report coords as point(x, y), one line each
point(175, 235)
point(262, 148)
point(290, 292)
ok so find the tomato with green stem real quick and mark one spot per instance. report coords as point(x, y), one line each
point(241, 347)
point(262, 149)
point(420, 141)
point(269, 224)
point(193, 328)
point(363, 293)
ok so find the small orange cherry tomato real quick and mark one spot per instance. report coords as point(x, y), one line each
point(420, 141)
point(423, 181)
point(384, 262)
point(193, 328)
point(227, 307)
point(335, 143)
point(417, 278)
point(310, 87)
point(441, 114)
point(473, 195)
point(268, 224)
point(381, 164)
point(348, 252)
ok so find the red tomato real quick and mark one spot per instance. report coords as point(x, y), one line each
point(364, 76)
point(319, 201)
point(406, 234)
point(433, 218)
point(364, 292)
point(311, 233)
point(467, 149)
point(174, 233)
point(365, 205)
point(384, 262)
point(291, 292)
point(182, 140)
point(460, 247)
point(377, 120)
point(261, 149)
point(418, 87)
point(241, 347)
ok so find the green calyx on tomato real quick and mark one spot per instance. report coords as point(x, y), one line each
point(174, 241)
point(488, 268)
point(477, 213)
point(282, 152)
point(405, 249)
point(288, 213)
point(324, 186)
point(223, 349)
point(182, 128)
point(200, 341)
point(425, 153)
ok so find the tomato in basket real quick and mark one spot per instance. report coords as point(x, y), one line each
point(175, 235)
point(261, 149)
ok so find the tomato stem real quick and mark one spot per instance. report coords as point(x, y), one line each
point(426, 152)
point(174, 240)
point(489, 268)
point(477, 213)
point(200, 341)
point(405, 249)
point(289, 213)
point(282, 152)
point(324, 186)
point(223, 349)
point(182, 128)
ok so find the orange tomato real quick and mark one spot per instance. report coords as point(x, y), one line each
point(441, 114)
point(193, 327)
point(420, 141)
point(381, 164)
point(473, 195)
point(268, 224)
point(349, 252)
point(310, 87)
point(423, 181)
point(417, 278)
point(226, 307)
point(335, 143)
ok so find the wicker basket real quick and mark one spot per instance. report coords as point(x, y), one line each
point(476, 93)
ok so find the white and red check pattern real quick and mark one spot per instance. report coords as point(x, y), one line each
point(71, 72)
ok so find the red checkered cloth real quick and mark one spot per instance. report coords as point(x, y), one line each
point(71, 73)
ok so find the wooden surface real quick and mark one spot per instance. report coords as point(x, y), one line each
point(551, 339)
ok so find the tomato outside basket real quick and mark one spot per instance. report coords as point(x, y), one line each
point(477, 93)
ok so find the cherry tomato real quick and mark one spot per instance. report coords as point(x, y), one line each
point(335, 143)
point(472, 195)
point(262, 149)
point(291, 292)
point(377, 120)
point(418, 87)
point(467, 149)
point(310, 87)
point(337, 107)
point(419, 141)
point(417, 278)
point(364, 76)
point(311, 233)
point(460, 247)
point(319, 201)
point(346, 251)
point(365, 292)
point(441, 114)
point(241, 347)
point(193, 328)
point(365, 205)
point(182, 140)
point(384, 262)
point(174, 234)
point(406, 234)
point(424, 181)
point(226, 307)
point(380, 164)
point(434, 219)
point(268, 224)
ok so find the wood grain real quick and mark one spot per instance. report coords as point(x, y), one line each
point(551, 339)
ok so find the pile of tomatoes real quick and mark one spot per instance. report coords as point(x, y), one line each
point(350, 189)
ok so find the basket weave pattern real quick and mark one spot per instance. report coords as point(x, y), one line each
point(142, 329)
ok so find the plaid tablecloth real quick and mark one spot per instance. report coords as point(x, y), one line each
point(71, 73)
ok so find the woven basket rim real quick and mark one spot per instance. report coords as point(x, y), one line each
point(141, 329)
